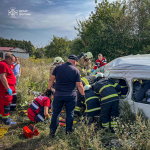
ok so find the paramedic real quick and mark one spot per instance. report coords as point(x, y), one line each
point(7, 86)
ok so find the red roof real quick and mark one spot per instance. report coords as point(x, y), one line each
point(6, 48)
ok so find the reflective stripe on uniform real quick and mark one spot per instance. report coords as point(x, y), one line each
point(113, 124)
point(91, 98)
point(105, 86)
point(34, 105)
point(5, 117)
point(94, 109)
point(86, 82)
point(12, 104)
point(115, 84)
point(14, 94)
point(77, 108)
point(109, 96)
point(105, 124)
point(88, 71)
point(40, 117)
point(124, 86)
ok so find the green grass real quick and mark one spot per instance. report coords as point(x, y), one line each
point(133, 131)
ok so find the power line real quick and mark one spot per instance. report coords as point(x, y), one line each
point(24, 30)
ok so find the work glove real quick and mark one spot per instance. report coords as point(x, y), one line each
point(9, 91)
point(82, 98)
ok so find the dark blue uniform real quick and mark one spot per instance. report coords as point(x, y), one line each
point(92, 104)
point(65, 93)
point(87, 80)
point(109, 102)
point(124, 87)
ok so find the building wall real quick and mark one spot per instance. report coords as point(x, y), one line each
point(20, 55)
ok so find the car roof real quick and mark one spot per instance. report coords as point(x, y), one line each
point(130, 66)
point(130, 62)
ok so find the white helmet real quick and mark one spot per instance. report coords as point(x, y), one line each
point(99, 74)
point(57, 60)
point(88, 55)
point(87, 87)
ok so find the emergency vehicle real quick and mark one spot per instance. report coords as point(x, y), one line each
point(132, 68)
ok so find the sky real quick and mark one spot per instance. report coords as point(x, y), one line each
point(39, 20)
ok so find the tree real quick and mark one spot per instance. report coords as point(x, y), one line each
point(112, 28)
point(77, 46)
point(59, 46)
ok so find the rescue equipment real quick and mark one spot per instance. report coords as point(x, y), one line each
point(30, 130)
point(3, 130)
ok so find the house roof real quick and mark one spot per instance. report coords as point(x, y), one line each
point(13, 49)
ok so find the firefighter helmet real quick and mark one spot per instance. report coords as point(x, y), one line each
point(99, 74)
point(88, 55)
point(57, 60)
point(87, 87)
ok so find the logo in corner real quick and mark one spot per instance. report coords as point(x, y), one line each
point(12, 12)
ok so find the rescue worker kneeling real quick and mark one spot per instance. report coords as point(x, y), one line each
point(87, 80)
point(38, 109)
point(92, 104)
point(109, 103)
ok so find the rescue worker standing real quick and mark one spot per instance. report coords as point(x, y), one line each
point(67, 77)
point(57, 61)
point(7, 86)
point(109, 103)
point(84, 62)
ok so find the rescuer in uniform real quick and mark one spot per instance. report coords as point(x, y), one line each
point(84, 63)
point(92, 104)
point(7, 86)
point(38, 109)
point(101, 61)
point(67, 78)
point(109, 102)
point(57, 61)
point(87, 80)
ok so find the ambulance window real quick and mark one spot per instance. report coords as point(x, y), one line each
point(122, 88)
point(141, 90)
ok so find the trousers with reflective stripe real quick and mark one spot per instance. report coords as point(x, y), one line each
point(109, 112)
point(92, 104)
point(14, 102)
point(5, 101)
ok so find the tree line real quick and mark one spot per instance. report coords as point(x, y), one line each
point(27, 45)
point(114, 29)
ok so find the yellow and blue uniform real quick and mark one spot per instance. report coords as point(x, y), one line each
point(109, 102)
point(87, 80)
point(92, 103)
